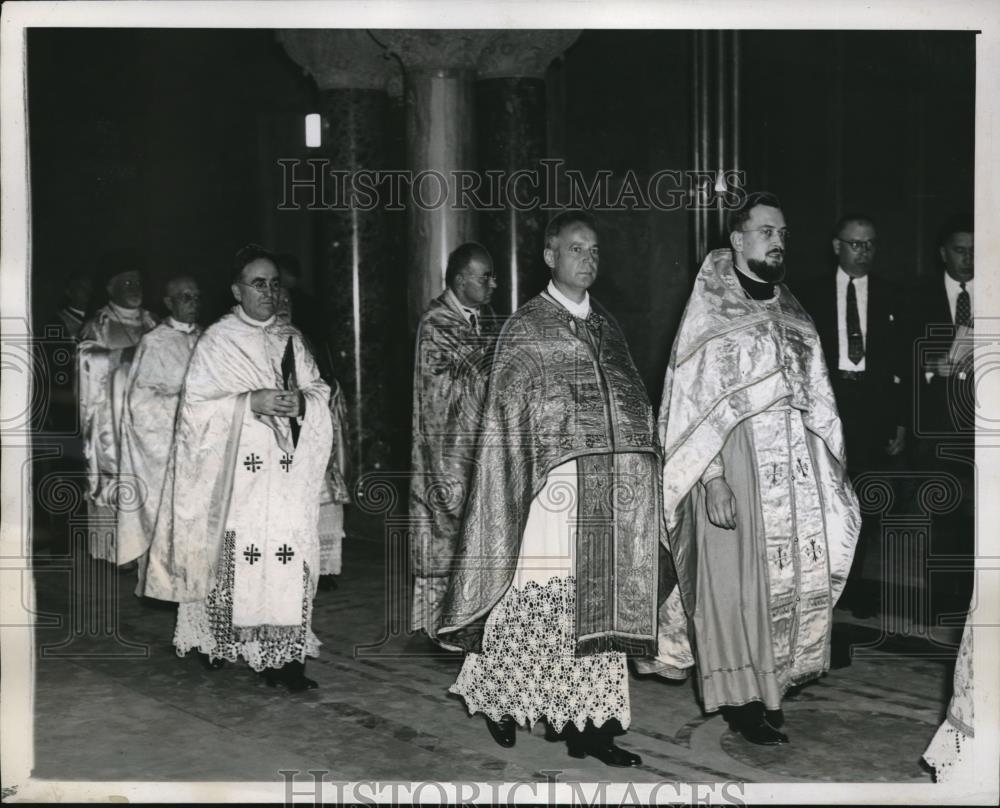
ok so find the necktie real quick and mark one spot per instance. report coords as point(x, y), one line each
point(963, 307)
point(855, 340)
point(474, 321)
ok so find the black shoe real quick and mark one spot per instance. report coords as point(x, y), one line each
point(749, 721)
point(762, 734)
point(327, 583)
point(209, 663)
point(291, 676)
point(600, 745)
point(504, 731)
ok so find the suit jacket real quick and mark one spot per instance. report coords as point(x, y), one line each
point(887, 377)
point(932, 334)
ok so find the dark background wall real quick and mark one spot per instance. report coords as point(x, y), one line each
point(168, 141)
point(881, 122)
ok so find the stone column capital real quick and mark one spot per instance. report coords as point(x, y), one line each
point(342, 58)
point(522, 54)
point(430, 49)
point(492, 54)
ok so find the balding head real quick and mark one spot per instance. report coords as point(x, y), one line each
point(469, 274)
point(183, 298)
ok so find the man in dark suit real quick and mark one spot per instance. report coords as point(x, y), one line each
point(859, 319)
point(943, 316)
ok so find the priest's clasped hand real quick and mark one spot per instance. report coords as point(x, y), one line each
point(287, 403)
point(720, 503)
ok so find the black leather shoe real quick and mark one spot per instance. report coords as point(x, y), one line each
point(748, 720)
point(504, 731)
point(290, 676)
point(209, 663)
point(604, 750)
point(762, 734)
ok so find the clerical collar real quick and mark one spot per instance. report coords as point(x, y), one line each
point(581, 309)
point(246, 318)
point(132, 315)
point(187, 328)
point(757, 290)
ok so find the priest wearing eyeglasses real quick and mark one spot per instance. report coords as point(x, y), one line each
point(761, 517)
point(454, 350)
point(236, 542)
point(860, 319)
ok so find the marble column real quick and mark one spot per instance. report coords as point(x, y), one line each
point(511, 138)
point(359, 289)
point(440, 141)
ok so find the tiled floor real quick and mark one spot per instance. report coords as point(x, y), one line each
point(125, 707)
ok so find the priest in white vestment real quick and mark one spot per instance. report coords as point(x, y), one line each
point(236, 540)
point(153, 391)
point(761, 516)
point(107, 344)
point(334, 493)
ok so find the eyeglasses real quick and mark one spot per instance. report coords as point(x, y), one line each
point(260, 285)
point(858, 246)
point(187, 297)
point(483, 278)
point(767, 233)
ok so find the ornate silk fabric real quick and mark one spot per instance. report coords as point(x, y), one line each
point(562, 388)
point(107, 344)
point(219, 437)
point(734, 357)
point(154, 389)
point(449, 384)
point(738, 360)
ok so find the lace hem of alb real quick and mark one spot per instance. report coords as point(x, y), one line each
point(950, 754)
point(208, 627)
point(528, 669)
point(194, 631)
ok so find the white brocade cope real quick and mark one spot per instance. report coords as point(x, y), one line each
point(153, 392)
point(950, 752)
point(528, 668)
point(103, 357)
point(747, 381)
point(232, 470)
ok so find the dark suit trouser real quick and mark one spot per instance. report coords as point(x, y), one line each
point(866, 433)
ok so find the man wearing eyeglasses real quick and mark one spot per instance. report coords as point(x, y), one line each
point(107, 345)
point(152, 393)
point(238, 545)
point(859, 317)
point(761, 516)
point(454, 350)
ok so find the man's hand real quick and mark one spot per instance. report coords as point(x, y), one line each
point(285, 403)
point(897, 445)
point(721, 503)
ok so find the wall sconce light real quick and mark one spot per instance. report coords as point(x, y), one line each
point(313, 130)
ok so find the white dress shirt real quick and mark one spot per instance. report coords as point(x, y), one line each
point(952, 289)
point(581, 309)
point(861, 290)
point(469, 313)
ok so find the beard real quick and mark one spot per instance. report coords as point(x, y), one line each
point(769, 273)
